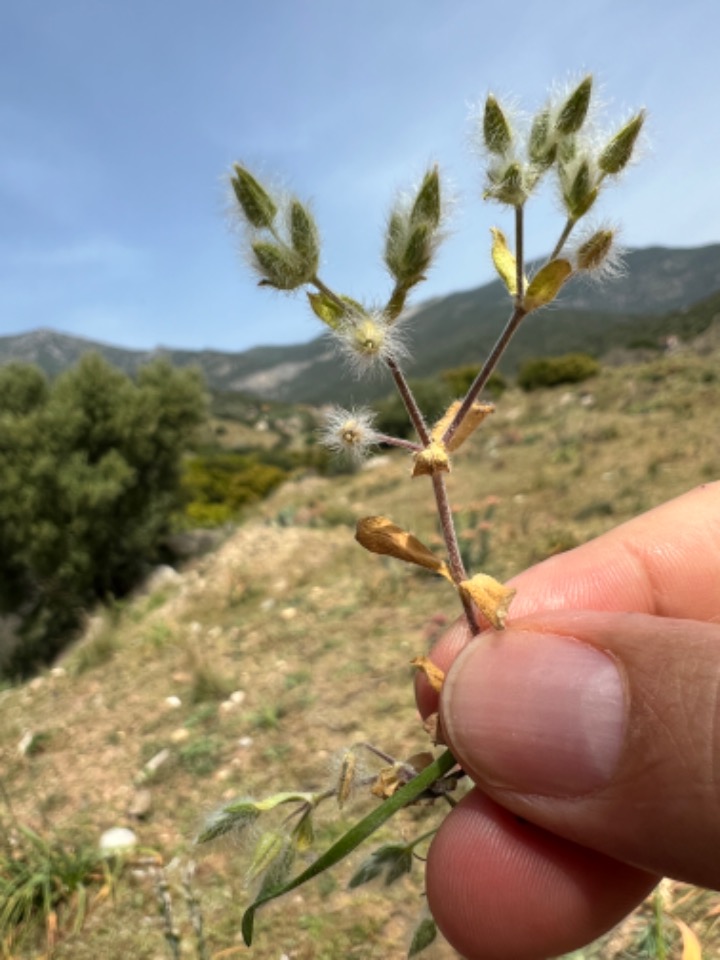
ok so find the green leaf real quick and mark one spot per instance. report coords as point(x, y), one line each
point(399, 866)
point(546, 284)
point(330, 312)
point(356, 835)
point(425, 933)
point(395, 859)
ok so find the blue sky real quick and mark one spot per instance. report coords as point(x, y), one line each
point(120, 120)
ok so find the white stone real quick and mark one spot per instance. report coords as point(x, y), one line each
point(237, 697)
point(245, 742)
point(154, 763)
point(118, 839)
point(161, 577)
point(173, 702)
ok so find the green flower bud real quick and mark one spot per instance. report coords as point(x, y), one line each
point(592, 254)
point(567, 150)
point(497, 133)
point(573, 112)
point(257, 205)
point(618, 152)
point(509, 185)
point(542, 146)
point(395, 243)
point(580, 192)
point(418, 252)
point(280, 266)
point(427, 208)
point(304, 237)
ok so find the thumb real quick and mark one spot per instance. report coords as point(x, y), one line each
point(600, 727)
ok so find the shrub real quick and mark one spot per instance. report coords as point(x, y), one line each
point(432, 395)
point(218, 485)
point(89, 478)
point(553, 371)
point(459, 380)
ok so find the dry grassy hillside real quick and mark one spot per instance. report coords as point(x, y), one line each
point(289, 643)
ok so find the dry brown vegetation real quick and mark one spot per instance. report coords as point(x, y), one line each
point(318, 635)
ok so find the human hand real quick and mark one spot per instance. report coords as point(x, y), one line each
point(591, 727)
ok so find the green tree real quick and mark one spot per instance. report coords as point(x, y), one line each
point(89, 477)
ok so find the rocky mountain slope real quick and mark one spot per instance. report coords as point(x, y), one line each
point(659, 287)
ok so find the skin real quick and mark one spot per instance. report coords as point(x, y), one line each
point(556, 844)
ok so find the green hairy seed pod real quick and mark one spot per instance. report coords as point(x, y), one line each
point(581, 192)
point(304, 236)
point(427, 208)
point(418, 253)
point(573, 112)
point(542, 146)
point(257, 205)
point(617, 154)
point(395, 239)
point(280, 266)
point(510, 187)
point(595, 251)
point(497, 133)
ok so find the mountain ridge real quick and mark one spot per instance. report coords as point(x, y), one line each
point(660, 285)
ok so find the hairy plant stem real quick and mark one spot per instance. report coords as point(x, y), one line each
point(519, 256)
point(457, 567)
point(567, 230)
point(413, 410)
point(518, 315)
point(317, 282)
point(396, 303)
point(398, 442)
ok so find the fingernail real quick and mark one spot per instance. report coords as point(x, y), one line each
point(535, 713)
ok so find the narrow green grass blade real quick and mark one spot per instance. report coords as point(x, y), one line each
point(355, 836)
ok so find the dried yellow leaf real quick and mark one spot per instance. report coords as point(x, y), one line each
point(433, 459)
point(346, 779)
point(504, 260)
point(491, 597)
point(386, 784)
point(433, 728)
point(691, 945)
point(545, 285)
point(380, 535)
point(418, 761)
point(469, 423)
point(435, 676)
